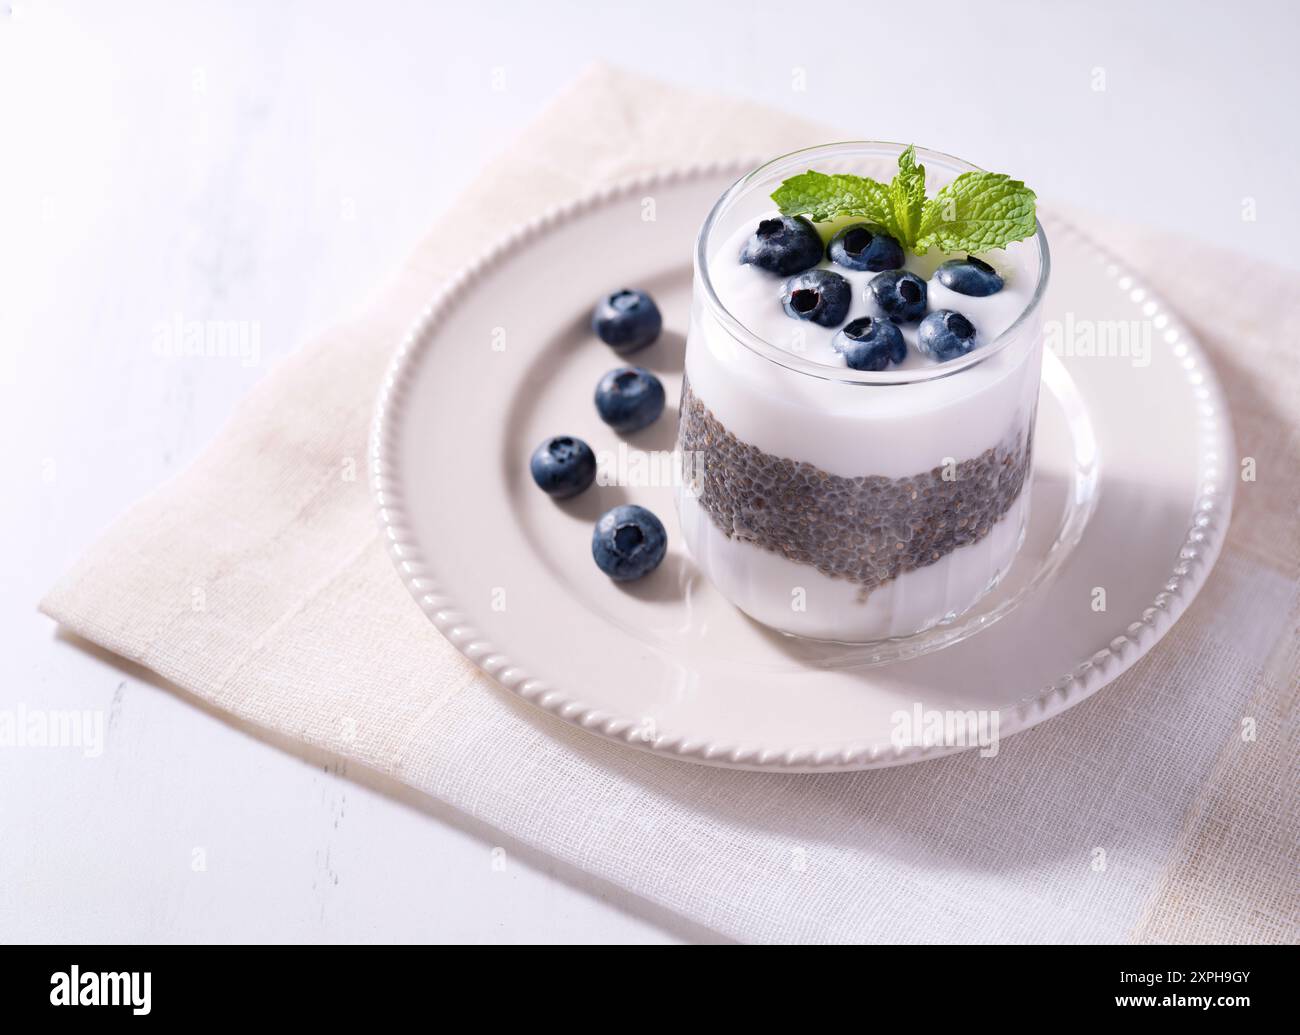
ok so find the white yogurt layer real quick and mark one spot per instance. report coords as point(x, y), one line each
point(853, 429)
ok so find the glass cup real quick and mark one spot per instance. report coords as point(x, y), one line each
point(848, 505)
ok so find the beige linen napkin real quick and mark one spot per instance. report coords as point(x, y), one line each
point(257, 581)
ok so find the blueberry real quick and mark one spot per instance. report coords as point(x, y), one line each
point(629, 399)
point(563, 466)
point(821, 296)
point(969, 276)
point(784, 245)
point(868, 343)
point(864, 246)
point(627, 320)
point(945, 334)
point(901, 295)
point(628, 542)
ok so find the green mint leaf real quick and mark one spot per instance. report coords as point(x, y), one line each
point(907, 198)
point(976, 212)
point(822, 197)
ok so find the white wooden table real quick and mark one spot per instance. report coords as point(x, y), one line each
point(269, 164)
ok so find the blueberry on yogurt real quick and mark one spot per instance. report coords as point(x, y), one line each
point(969, 276)
point(563, 466)
point(821, 296)
point(900, 295)
point(783, 245)
point(870, 343)
point(863, 246)
point(627, 320)
point(945, 334)
point(629, 399)
point(628, 542)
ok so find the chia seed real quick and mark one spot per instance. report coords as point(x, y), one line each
point(868, 529)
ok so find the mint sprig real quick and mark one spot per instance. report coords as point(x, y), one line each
point(978, 211)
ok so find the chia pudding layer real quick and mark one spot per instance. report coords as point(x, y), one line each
point(860, 461)
point(866, 529)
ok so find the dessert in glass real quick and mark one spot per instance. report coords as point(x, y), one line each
point(858, 409)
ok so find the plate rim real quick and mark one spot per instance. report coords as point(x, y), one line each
point(1201, 545)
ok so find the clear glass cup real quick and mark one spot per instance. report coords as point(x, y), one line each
point(849, 505)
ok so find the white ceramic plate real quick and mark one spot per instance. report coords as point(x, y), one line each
point(1132, 492)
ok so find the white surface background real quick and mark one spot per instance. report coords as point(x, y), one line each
point(270, 163)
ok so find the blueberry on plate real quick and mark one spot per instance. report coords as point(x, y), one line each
point(563, 466)
point(945, 334)
point(870, 343)
point(629, 399)
point(784, 245)
point(864, 246)
point(627, 320)
point(969, 276)
point(900, 295)
point(821, 296)
point(628, 542)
